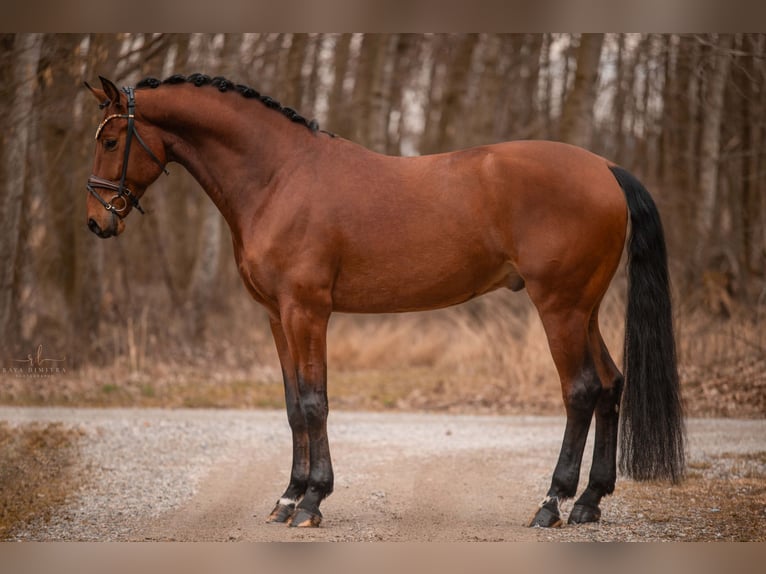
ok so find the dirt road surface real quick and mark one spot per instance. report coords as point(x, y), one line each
point(214, 475)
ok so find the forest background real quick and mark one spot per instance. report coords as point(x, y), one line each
point(159, 316)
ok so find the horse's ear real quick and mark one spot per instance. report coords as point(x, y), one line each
point(111, 91)
point(100, 96)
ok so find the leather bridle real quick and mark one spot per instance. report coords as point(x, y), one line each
point(122, 193)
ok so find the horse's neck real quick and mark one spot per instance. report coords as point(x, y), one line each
point(230, 147)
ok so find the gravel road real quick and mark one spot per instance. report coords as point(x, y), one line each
point(214, 475)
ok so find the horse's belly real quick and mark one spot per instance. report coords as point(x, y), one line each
point(385, 290)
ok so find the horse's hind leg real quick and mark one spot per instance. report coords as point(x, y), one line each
point(567, 331)
point(603, 472)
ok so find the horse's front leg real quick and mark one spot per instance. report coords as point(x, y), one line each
point(305, 328)
point(299, 475)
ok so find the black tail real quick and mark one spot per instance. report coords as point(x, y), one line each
point(651, 421)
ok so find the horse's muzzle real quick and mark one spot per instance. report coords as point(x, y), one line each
point(105, 232)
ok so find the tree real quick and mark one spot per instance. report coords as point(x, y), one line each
point(370, 95)
point(201, 288)
point(26, 56)
point(337, 116)
point(577, 113)
point(404, 66)
point(710, 146)
point(452, 104)
point(293, 81)
point(686, 112)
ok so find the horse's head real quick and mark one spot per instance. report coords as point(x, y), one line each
point(122, 170)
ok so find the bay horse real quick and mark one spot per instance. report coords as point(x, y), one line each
point(321, 224)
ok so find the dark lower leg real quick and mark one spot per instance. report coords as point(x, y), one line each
point(603, 472)
point(567, 472)
point(320, 478)
point(299, 474)
point(305, 329)
point(580, 402)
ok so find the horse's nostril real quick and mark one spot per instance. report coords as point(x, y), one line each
point(93, 226)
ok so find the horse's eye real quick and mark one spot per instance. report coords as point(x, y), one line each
point(110, 144)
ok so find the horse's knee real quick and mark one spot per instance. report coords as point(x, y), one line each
point(313, 407)
point(295, 417)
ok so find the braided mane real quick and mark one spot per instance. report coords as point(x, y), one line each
point(225, 85)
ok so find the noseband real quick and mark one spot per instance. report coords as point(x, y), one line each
point(122, 193)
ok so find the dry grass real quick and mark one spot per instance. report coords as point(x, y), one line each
point(490, 355)
point(37, 471)
point(722, 363)
point(723, 499)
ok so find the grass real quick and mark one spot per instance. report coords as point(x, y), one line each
point(728, 509)
point(38, 470)
point(489, 356)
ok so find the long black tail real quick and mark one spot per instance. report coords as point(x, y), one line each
point(651, 421)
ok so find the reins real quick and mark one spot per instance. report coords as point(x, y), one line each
point(121, 190)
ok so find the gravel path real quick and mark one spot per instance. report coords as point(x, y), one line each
point(214, 475)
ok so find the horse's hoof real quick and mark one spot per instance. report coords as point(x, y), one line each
point(303, 518)
point(281, 513)
point(546, 518)
point(582, 514)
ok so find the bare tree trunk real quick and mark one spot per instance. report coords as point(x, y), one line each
point(370, 91)
point(533, 125)
point(314, 81)
point(619, 100)
point(201, 288)
point(547, 95)
point(523, 85)
point(438, 49)
point(26, 49)
point(710, 147)
point(292, 89)
point(757, 251)
point(30, 303)
point(270, 65)
point(484, 118)
point(88, 285)
point(644, 60)
point(338, 114)
point(566, 81)
point(379, 110)
point(675, 123)
point(755, 113)
point(668, 88)
point(360, 98)
point(577, 115)
point(455, 87)
point(739, 200)
point(683, 111)
point(206, 267)
point(405, 50)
